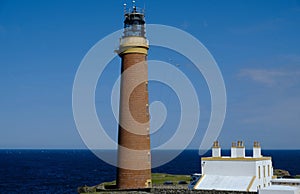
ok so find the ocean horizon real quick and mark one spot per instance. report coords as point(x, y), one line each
point(63, 170)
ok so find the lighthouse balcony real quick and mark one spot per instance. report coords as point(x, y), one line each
point(134, 41)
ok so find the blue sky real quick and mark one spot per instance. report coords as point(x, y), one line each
point(255, 43)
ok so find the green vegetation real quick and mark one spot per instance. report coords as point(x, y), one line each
point(160, 178)
point(109, 185)
point(280, 172)
point(157, 179)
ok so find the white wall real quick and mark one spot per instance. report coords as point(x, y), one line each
point(280, 190)
point(277, 192)
point(216, 152)
point(229, 168)
point(264, 179)
point(256, 152)
point(241, 168)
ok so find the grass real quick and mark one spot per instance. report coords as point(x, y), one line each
point(157, 180)
point(160, 178)
point(108, 185)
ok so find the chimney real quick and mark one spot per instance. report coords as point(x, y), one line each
point(216, 149)
point(240, 149)
point(256, 150)
point(233, 150)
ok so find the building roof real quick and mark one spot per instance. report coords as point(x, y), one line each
point(226, 183)
point(281, 188)
point(284, 180)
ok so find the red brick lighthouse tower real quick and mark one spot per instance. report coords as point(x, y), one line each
point(134, 159)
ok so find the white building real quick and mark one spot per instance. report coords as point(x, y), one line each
point(278, 189)
point(282, 186)
point(236, 172)
point(284, 181)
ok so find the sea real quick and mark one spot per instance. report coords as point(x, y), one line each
point(63, 171)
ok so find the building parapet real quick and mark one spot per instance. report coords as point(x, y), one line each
point(235, 159)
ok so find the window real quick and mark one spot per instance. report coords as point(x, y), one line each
point(149, 183)
point(148, 131)
point(147, 109)
point(269, 170)
point(149, 157)
point(146, 83)
point(259, 172)
point(264, 171)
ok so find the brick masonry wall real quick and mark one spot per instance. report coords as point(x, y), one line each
point(137, 107)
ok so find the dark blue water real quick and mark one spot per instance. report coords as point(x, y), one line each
point(62, 171)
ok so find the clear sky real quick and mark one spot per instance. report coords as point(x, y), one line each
point(255, 43)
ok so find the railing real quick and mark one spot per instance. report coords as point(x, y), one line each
point(133, 9)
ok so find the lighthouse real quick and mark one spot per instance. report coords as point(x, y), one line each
point(134, 157)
